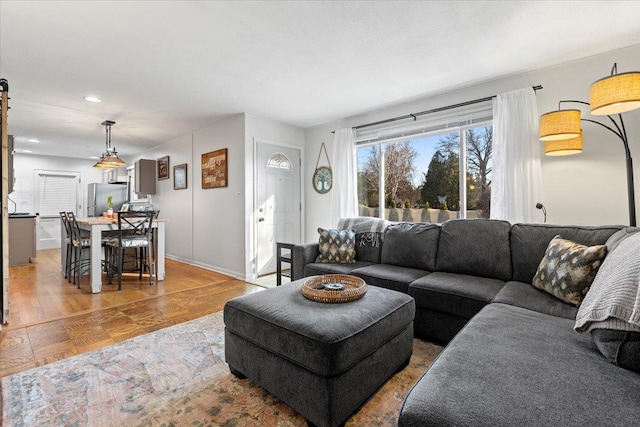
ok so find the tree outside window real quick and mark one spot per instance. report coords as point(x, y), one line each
point(423, 174)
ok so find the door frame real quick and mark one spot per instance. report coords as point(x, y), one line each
point(36, 197)
point(253, 274)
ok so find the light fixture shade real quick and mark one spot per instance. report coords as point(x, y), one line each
point(563, 147)
point(615, 94)
point(112, 161)
point(100, 164)
point(558, 125)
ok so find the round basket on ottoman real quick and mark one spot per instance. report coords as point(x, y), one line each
point(323, 360)
point(334, 288)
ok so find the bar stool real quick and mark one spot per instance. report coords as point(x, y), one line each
point(69, 246)
point(80, 244)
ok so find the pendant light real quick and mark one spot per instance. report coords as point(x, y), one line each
point(109, 158)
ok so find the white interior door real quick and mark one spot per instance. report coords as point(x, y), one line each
point(278, 208)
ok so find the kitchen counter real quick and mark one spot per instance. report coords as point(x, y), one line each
point(96, 226)
point(22, 239)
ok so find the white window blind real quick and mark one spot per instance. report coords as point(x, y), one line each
point(57, 193)
point(426, 124)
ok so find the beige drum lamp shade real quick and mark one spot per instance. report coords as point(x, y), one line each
point(564, 147)
point(615, 94)
point(559, 125)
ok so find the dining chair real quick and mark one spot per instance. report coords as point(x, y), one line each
point(143, 251)
point(134, 232)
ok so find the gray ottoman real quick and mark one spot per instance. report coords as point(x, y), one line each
point(323, 360)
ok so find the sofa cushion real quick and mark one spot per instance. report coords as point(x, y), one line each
point(619, 347)
point(389, 276)
point(620, 236)
point(337, 246)
point(568, 269)
point(526, 296)
point(456, 294)
point(412, 245)
point(318, 268)
point(477, 247)
point(529, 243)
point(515, 367)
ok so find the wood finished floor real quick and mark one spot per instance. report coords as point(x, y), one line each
point(51, 319)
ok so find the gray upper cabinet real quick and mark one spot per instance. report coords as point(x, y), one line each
point(145, 176)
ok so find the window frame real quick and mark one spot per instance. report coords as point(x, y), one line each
point(462, 159)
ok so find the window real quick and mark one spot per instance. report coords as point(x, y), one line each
point(279, 161)
point(422, 174)
point(57, 192)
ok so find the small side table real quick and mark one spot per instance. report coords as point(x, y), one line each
point(286, 258)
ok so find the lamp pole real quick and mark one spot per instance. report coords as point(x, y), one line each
point(621, 133)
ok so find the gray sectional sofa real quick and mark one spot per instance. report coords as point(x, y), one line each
point(512, 357)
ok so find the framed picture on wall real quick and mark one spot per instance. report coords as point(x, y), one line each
point(214, 169)
point(180, 177)
point(163, 167)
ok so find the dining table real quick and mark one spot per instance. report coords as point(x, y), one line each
point(96, 226)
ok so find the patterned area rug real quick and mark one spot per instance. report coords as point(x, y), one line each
point(173, 377)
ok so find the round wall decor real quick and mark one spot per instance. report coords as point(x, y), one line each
point(323, 176)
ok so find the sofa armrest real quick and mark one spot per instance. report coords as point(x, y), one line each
point(301, 256)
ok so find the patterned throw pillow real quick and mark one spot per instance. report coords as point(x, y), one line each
point(568, 269)
point(337, 246)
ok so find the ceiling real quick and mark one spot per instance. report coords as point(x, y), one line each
point(167, 68)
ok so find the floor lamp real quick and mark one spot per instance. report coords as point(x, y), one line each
point(612, 95)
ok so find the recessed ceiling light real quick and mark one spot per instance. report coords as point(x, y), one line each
point(27, 151)
point(33, 140)
point(94, 157)
point(91, 98)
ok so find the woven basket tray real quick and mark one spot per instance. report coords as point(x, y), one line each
point(354, 288)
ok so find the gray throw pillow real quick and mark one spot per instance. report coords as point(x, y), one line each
point(619, 347)
point(369, 246)
point(568, 269)
point(337, 246)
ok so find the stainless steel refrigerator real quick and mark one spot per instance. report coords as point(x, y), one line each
point(97, 197)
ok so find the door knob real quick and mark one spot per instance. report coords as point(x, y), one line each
point(260, 219)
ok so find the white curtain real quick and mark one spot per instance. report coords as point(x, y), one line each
point(344, 192)
point(515, 187)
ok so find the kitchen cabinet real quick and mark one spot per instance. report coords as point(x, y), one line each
point(118, 175)
point(22, 239)
point(145, 174)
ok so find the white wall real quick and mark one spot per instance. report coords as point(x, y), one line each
point(175, 205)
point(212, 228)
point(25, 164)
point(589, 188)
point(218, 213)
point(205, 227)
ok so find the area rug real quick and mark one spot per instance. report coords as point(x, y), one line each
point(173, 377)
